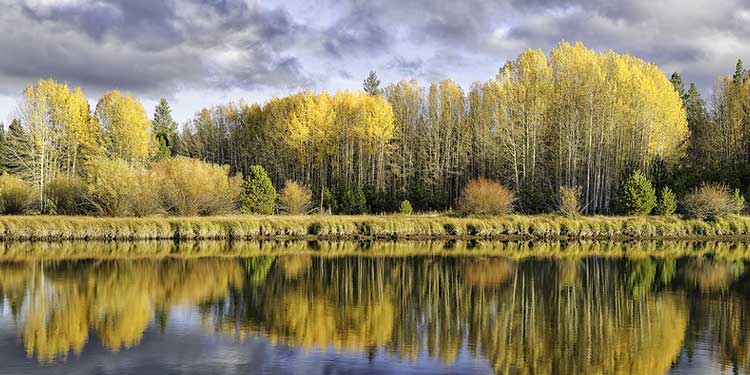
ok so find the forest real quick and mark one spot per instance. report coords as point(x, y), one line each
point(571, 119)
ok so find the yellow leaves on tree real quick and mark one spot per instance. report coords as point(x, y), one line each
point(125, 126)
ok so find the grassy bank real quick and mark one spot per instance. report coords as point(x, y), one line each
point(391, 227)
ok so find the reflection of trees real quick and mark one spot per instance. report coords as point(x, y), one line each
point(532, 317)
point(61, 302)
point(566, 315)
point(591, 326)
point(709, 276)
point(720, 310)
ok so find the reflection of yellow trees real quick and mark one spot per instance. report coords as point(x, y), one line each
point(489, 272)
point(712, 275)
point(584, 334)
point(518, 318)
point(115, 298)
point(57, 321)
point(294, 265)
point(315, 322)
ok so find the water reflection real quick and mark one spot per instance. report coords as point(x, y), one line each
point(566, 315)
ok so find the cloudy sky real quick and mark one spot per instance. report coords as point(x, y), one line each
point(205, 52)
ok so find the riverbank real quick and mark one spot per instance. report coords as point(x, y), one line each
point(386, 227)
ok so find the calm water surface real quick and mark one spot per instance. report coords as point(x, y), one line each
point(425, 314)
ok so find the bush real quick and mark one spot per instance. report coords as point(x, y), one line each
point(15, 195)
point(710, 202)
point(295, 199)
point(353, 202)
point(191, 187)
point(258, 195)
point(739, 201)
point(148, 187)
point(637, 195)
point(66, 196)
point(570, 201)
point(486, 197)
point(112, 186)
point(668, 202)
point(405, 207)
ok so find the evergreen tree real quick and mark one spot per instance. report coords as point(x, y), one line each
point(679, 86)
point(739, 73)
point(17, 150)
point(258, 195)
point(372, 84)
point(668, 202)
point(637, 195)
point(165, 128)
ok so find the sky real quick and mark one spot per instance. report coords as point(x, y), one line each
point(198, 53)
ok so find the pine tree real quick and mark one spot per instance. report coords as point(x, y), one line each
point(739, 73)
point(164, 128)
point(371, 84)
point(668, 202)
point(258, 195)
point(637, 195)
point(679, 86)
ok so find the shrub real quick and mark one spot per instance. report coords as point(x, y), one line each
point(258, 195)
point(668, 202)
point(709, 202)
point(112, 186)
point(405, 207)
point(486, 197)
point(191, 187)
point(295, 199)
point(570, 201)
point(66, 196)
point(148, 187)
point(739, 201)
point(637, 195)
point(353, 202)
point(15, 195)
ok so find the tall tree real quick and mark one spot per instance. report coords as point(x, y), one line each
point(164, 129)
point(371, 84)
point(125, 126)
point(678, 85)
point(55, 134)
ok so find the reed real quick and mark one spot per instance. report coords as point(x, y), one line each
point(390, 227)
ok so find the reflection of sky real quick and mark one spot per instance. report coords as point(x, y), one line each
point(188, 348)
point(700, 362)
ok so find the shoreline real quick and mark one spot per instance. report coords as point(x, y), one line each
point(370, 227)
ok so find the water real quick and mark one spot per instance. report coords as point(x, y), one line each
point(437, 312)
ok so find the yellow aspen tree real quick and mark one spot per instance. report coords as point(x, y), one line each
point(125, 127)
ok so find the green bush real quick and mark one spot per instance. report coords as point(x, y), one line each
point(353, 202)
point(739, 201)
point(668, 202)
point(191, 187)
point(66, 196)
point(405, 207)
point(637, 195)
point(258, 195)
point(486, 197)
point(710, 202)
point(570, 201)
point(295, 199)
point(15, 195)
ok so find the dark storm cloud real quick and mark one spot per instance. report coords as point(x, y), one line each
point(276, 46)
point(148, 46)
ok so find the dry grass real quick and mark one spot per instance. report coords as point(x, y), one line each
point(55, 228)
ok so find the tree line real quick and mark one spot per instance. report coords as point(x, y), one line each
point(574, 118)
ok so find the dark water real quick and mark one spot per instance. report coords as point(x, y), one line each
point(375, 314)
